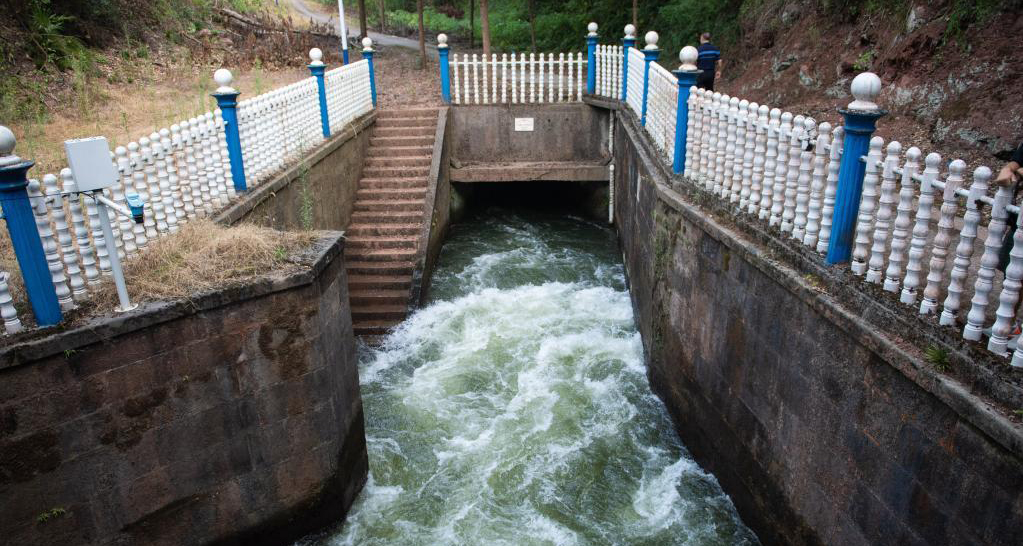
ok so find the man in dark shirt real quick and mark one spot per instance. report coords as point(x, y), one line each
point(1009, 177)
point(708, 60)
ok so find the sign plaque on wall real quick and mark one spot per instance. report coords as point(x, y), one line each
point(523, 124)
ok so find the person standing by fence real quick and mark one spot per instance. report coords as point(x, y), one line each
point(708, 61)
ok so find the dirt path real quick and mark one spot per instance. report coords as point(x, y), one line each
point(378, 38)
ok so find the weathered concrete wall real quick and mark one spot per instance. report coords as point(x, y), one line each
point(568, 142)
point(438, 199)
point(315, 193)
point(821, 427)
point(233, 418)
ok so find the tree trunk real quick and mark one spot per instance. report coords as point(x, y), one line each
point(532, 24)
point(363, 29)
point(472, 24)
point(422, 35)
point(383, 18)
point(635, 14)
point(485, 27)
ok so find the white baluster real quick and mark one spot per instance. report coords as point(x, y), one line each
point(729, 191)
point(67, 246)
point(85, 251)
point(98, 240)
point(884, 213)
point(760, 120)
point(744, 155)
point(721, 146)
point(939, 251)
point(12, 325)
point(818, 181)
point(830, 189)
point(53, 261)
point(964, 250)
point(900, 233)
point(468, 78)
point(579, 77)
point(1009, 297)
point(988, 262)
point(868, 203)
point(504, 78)
point(156, 174)
point(125, 170)
point(168, 178)
point(454, 78)
point(806, 158)
point(791, 174)
point(771, 161)
point(224, 178)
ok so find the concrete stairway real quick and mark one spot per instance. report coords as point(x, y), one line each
point(383, 238)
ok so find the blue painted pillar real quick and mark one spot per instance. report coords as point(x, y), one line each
point(650, 54)
point(318, 70)
point(686, 80)
point(859, 127)
point(344, 56)
point(21, 224)
point(591, 58)
point(227, 101)
point(445, 74)
point(367, 53)
point(628, 43)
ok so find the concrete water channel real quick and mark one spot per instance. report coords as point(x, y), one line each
point(680, 376)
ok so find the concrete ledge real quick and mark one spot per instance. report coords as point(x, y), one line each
point(533, 171)
point(437, 170)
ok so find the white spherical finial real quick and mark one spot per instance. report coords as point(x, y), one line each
point(865, 89)
point(223, 77)
point(688, 56)
point(630, 32)
point(367, 44)
point(592, 27)
point(442, 40)
point(7, 141)
point(651, 40)
point(316, 57)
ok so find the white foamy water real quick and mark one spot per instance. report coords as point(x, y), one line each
point(514, 409)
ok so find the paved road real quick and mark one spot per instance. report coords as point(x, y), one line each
point(378, 39)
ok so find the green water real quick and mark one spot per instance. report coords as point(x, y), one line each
point(514, 409)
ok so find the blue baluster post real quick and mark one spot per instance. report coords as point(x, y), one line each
point(860, 122)
point(367, 53)
point(318, 70)
point(227, 101)
point(650, 54)
point(686, 75)
point(591, 58)
point(628, 42)
point(445, 73)
point(21, 224)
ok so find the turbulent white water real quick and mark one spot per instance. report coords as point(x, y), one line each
point(514, 409)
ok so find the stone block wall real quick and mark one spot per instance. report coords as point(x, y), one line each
point(234, 418)
point(822, 427)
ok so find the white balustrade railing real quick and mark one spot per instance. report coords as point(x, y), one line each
point(609, 70)
point(662, 107)
point(635, 95)
point(181, 172)
point(517, 78)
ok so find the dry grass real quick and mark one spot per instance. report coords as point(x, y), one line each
point(203, 256)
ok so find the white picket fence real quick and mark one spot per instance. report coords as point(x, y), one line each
point(517, 78)
point(783, 170)
point(181, 172)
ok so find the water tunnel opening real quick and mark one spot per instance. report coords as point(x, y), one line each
point(585, 199)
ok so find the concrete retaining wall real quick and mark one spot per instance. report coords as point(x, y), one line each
point(318, 192)
point(821, 427)
point(233, 418)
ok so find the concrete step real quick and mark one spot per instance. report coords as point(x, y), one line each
point(385, 150)
point(397, 255)
point(415, 205)
point(407, 122)
point(395, 183)
point(360, 267)
point(386, 194)
point(376, 297)
point(362, 230)
point(404, 132)
point(386, 217)
point(378, 312)
point(379, 242)
point(375, 140)
point(398, 161)
point(375, 327)
point(396, 172)
point(379, 282)
point(422, 112)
